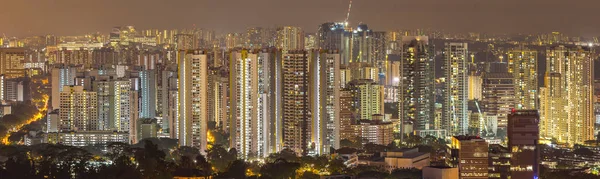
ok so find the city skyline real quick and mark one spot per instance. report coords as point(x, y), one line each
point(333, 89)
point(37, 17)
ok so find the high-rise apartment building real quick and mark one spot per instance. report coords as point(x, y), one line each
point(250, 100)
point(324, 84)
point(498, 97)
point(12, 62)
point(416, 89)
point(78, 110)
point(523, 135)
point(368, 46)
point(455, 117)
point(567, 110)
point(218, 90)
point(522, 64)
point(148, 93)
point(192, 96)
point(296, 114)
point(334, 36)
point(170, 101)
point(113, 97)
point(368, 98)
point(475, 82)
point(62, 75)
point(290, 38)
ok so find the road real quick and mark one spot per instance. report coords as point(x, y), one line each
point(42, 110)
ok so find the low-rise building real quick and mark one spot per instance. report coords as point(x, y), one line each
point(86, 138)
point(433, 172)
point(405, 159)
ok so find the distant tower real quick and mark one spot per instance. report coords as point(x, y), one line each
point(192, 120)
point(148, 93)
point(62, 75)
point(290, 38)
point(522, 64)
point(416, 87)
point(456, 89)
point(568, 114)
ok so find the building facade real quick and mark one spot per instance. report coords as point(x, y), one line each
point(191, 123)
point(456, 90)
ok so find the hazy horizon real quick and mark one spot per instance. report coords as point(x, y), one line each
point(74, 17)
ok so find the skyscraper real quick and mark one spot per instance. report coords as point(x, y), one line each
point(455, 115)
point(249, 72)
point(296, 115)
point(523, 135)
point(367, 97)
point(170, 101)
point(368, 46)
point(324, 84)
point(498, 98)
point(522, 64)
point(192, 115)
point(567, 104)
point(148, 93)
point(113, 97)
point(290, 38)
point(218, 110)
point(417, 84)
point(334, 36)
point(62, 75)
point(78, 109)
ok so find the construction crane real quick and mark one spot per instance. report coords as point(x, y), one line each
point(348, 15)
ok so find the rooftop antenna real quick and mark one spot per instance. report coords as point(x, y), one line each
point(348, 15)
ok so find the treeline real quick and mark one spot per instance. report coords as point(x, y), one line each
point(147, 160)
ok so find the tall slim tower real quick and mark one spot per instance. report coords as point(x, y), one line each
point(416, 89)
point(573, 69)
point(192, 116)
point(249, 99)
point(296, 114)
point(62, 75)
point(324, 94)
point(148, 93)
point(170, 101)
point(334, 36)
point(522, 64)
point(456, 89)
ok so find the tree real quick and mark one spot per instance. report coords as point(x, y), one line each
point(375, 148)
point(285, 154)
point(309, 175)
point(366, 170)
point(220, 158)
point(185, 151)
point(151, 161)
point(336, 166)
point(279, 169)
point(236, 170)
point(117, 149)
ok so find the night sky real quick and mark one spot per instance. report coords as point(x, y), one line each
point(70, 17)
